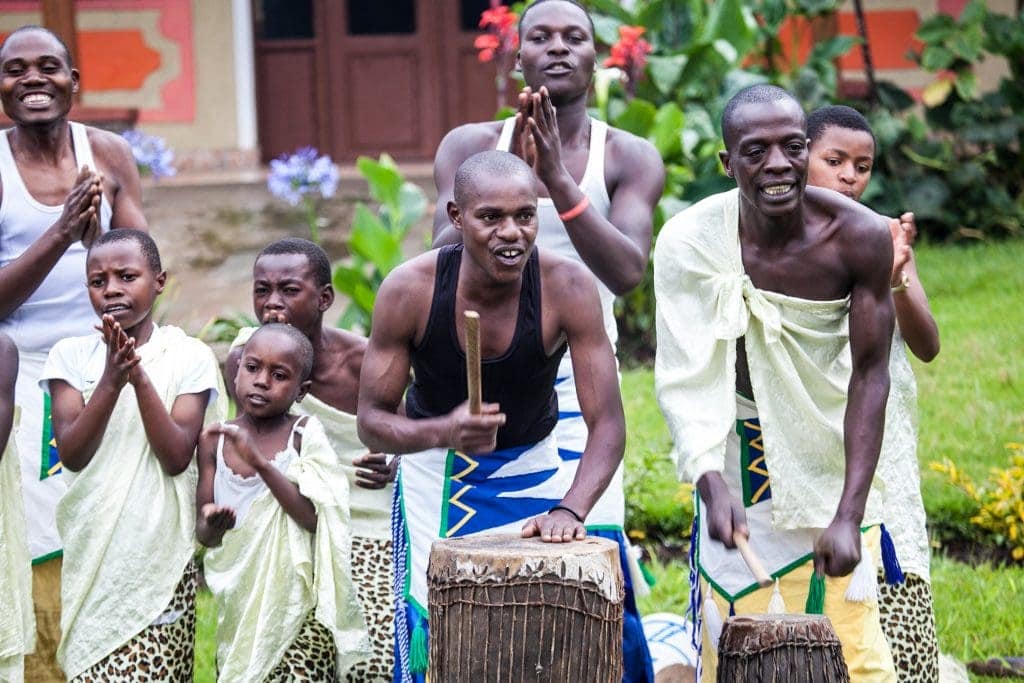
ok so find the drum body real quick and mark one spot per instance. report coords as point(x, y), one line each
point(513, 609)
point(780, 648)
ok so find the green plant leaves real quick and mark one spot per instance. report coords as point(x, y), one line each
point(637, 118)
point(665, 71)
point(731, 21)
point(665, 131)
point(382, 176)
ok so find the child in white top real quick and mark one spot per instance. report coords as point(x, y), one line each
point(273, 508)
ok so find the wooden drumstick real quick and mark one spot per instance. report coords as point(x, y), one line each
point(472, 319)
point(752, 560)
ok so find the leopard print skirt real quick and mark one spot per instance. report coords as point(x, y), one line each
point(908, 621)
point(163, 651)
point(311, 658)
point(371, 572)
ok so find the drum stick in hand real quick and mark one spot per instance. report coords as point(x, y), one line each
point(472, 319)
point(752, 560)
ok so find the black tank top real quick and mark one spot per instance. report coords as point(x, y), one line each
point(521, 380)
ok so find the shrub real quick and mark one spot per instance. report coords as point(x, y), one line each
point(999, 507)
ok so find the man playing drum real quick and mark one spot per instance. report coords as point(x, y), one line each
point(500, 470)
point(765, 293)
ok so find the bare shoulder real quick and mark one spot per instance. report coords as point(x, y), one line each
point(863, 234)
point(109, 147)
point(408, 285)
point(573, 281)
point(468, 139)
point(633, 156)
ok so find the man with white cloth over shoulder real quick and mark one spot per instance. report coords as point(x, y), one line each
point(761, 292)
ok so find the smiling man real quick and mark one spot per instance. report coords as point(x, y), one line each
point(61, 183)
point(764, 293)
point(500, 471)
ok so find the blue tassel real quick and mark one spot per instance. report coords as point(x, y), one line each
point(732, 608)
point(890, 563)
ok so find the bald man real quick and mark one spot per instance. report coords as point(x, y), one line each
point(497, 271)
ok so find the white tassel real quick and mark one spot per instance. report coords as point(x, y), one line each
point(864, 582)
point(712, 621)
point(636, 575)
point(776, 605)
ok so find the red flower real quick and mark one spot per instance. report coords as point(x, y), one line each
point(630, 53)
point(501, 38)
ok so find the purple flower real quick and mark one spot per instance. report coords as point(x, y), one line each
point(152, 155)
point(293, 177)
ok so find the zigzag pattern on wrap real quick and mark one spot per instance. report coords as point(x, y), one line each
point(477, 500)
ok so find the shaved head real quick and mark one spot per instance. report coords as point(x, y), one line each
point(301, 346)
point(755, 94)
point(44, 30)
point(489, 164)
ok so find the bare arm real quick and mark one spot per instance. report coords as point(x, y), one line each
point(172, 435)
point(295, 505)
point(597, 387)
point(20, 278)
point(8, 377)
point(913, 314)
point(457, 146)
point(871, 324)
point(126, 187)
point(382, 425)
point(615, 249)
point(212, 521)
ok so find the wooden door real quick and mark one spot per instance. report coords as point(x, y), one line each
point(362, 77)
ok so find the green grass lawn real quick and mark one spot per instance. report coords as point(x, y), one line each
point(971, 403)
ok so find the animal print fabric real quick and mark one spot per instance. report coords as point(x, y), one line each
point(311, 658)
point(163, 651)
point(372, 572)
point(908, 621)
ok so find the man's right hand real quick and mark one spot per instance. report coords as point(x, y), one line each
point(725, 513)
point(82, 206)
point(475, 433)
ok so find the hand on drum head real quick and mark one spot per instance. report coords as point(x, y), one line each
point(725, 513)
point(837, 551)
point(555, 527)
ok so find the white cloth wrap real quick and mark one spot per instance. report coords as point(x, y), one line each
point(17, 618)
point(797, 354)
point(128, 527)
point(269, 573)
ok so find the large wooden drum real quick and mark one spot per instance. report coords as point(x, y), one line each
point(514, 609)
point(780, 648)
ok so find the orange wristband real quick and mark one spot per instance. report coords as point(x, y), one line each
point(576, 210)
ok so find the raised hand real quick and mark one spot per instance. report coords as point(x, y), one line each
point(475, 433)
point(218, 518)
point(121, 358)
point(555, 527)
point(902, 237)
point(373, 471)
point(241, 442)
point(837, 551)
point(80, 218)
point(542, 128)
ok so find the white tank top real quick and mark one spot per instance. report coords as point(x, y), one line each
point(238, 492)
point(551, 233)
point(60, 306)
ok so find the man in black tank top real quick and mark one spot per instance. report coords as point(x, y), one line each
point(531, 305)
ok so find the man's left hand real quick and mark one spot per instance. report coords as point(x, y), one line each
point(373, 471)
point(837, 551)
point(555, 527)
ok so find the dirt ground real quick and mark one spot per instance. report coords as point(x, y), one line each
point(210, 229)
